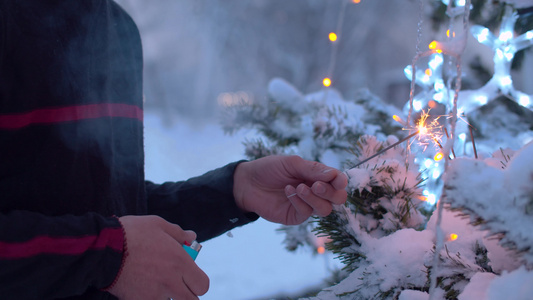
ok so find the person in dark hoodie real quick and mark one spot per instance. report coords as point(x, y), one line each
point(78, 220)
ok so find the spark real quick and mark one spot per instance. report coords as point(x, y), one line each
point(429, 132)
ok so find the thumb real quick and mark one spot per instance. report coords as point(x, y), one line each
point(180, 235)
point(314, 171)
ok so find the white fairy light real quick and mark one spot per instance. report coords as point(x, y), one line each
point(439, 97)
point(417, 105)
point(439, 85)
point(431, 199)
point(505, 46)
point(524, 100)
point(506, 81)
point(481, 99)
point(428, 163)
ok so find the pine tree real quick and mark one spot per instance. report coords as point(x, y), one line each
point(393, 244)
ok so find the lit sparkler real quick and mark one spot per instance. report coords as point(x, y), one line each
point(430, 132)
point(426, 132)
point(387, 148)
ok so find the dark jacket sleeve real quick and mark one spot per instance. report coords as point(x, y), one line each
point(44, 257)
point(204, 204)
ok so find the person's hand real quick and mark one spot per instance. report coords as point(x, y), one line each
point(288, 189)
point(157, 267)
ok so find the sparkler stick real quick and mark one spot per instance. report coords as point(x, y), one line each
point(473, 141)
point(447, 136)
point(387, 148)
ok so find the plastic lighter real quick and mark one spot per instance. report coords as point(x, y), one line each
point(192, 248)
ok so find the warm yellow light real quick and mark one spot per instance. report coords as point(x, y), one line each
point(321, 250)
point(439, 156)
point(326, 82)
point(453, 237)
point(396, 118)
point(428, 72)
point(356, 1)
point(423, 198)
point(332, 36)
point(448, 33)
point(434, 46)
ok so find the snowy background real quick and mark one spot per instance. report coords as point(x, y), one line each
point(201, 53)
point(198, 52)
point(253, 264)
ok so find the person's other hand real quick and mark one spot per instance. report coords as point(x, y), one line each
point(157, 267)
point(288, 189)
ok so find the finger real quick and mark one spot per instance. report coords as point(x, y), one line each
point(299, 205)
point(197, 281)
point(181, 291)
point(340, 182)
point(320, 206)
point(328, 192)
point(310, 171)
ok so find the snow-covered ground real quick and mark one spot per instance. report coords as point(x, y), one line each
point(253, 263)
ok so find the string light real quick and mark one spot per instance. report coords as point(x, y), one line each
point(332, 36)
point(453, 237)
point(448, 33)
point(439, 156)
point(326, 82)
point(505, 46)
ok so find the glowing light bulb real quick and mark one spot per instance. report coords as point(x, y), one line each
point(483, 35)
point(482, 99)
point(433, 45)
point(326, 82)
point(332, 36)
point(417, 105)
point(438, 97)
point(321, 250)
point(428, 163)
point(453, 236)
point(439, 156)
point(529, 35)
point(432, 199)
point(428, 72)
point(448, 33)
point(436, 61)
point(509, 55)
point(439, 85)
point(524, 100)
point(506, 36)
point(506, 81)
point(462, 137)
point(397, 118)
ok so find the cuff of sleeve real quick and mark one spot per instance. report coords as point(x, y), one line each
point(226, 214)
point(118, 243)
